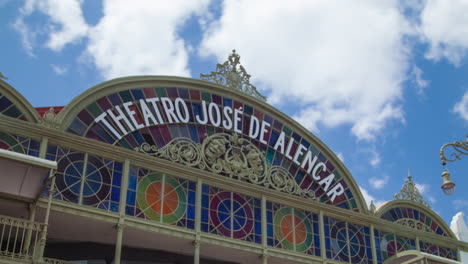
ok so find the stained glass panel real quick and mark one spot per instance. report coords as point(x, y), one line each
point(9, 109)
point(360, 250)
point(231, 214)
point(161, 198)
point(19, 144)
point(385, 245)
point(404, 243)
point(414, 218)
point(292, 229)
point(336, 239)
point(438, 250)
point(86, 179)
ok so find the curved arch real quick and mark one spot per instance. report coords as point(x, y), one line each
point(103, 98)
point(18, 106)
point(408, 212)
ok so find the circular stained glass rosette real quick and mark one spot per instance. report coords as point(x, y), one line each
point(357, 245)
point(69, 181)
point(9, 142)
point(390, 245)
point(293, 230)
point(231, 214)
point(339, 240)
point(161, 198)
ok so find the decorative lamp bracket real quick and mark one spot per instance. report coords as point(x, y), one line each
point(457, 150)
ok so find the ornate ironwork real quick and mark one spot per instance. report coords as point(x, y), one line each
point(233, 75)
point(3, 76)
point(458, 149)
point(409, 191)
point(229, 155)
point(413, 223)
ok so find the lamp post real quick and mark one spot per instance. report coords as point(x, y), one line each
point(457, 149)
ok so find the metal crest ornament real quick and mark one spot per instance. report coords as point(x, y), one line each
point(229, 155)
point(409, 191)
point(458, 149)
point(233, 75)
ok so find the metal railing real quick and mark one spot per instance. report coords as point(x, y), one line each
point(19, 238)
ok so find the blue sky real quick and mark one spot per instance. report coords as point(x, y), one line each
point(382, 83)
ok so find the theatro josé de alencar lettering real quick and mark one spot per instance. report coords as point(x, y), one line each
point(129, 116)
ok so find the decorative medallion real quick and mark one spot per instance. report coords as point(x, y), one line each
point(94, 186)
point(231, 213)
point(161, 198)
point(293, 230)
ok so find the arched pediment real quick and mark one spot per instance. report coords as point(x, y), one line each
point(414, 215)
point(14, 105)
point(210, 127)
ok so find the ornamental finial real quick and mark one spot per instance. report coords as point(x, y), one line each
point(409, 191)
point(233, 75)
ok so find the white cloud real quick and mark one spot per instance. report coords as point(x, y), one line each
point(420, 82)
point(374, 159)
point(422, 187)
point(444, 25)
point(340, 156)
point(140, 37)
point(59, 70)
point(461, 107)
point(460, 203)
point(378, 183)
point(66, 24)
point(343, 62)
point(368, 198)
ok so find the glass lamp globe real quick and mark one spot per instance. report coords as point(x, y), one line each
point(447, 186)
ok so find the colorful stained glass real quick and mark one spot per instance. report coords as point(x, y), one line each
point(336, 239)
point(164, 128)
point(438, 250)
point(414, 217)
point(9, 109)
point(19, 144)
point(404, 243)
point(292, 229)
point(386, 245)
point(86, 179)
point(360, 250)
point(161, 198)
point(230, 214)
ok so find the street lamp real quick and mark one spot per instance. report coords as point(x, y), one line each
point(457, 150)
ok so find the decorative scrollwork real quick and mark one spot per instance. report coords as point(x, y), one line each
point(233, 75)
point(414, 224)
point(229, 155)
point(458, 149)
point(280, 179)
point(409, 191)
point(181, 150)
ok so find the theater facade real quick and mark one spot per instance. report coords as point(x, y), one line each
point(159, 169)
